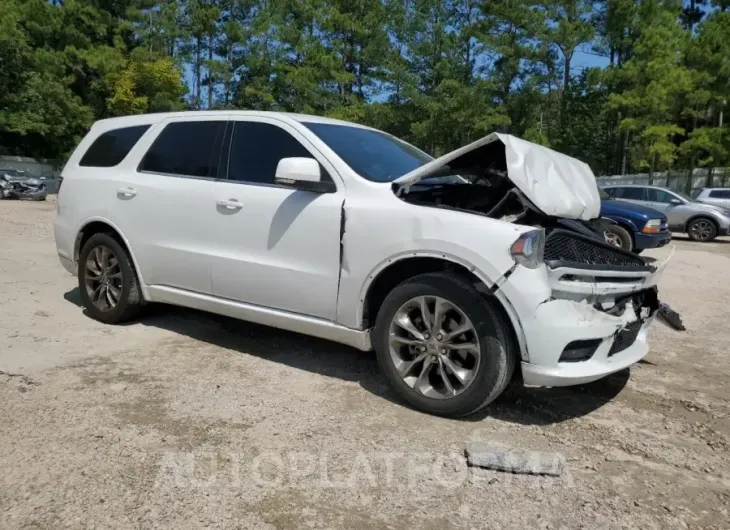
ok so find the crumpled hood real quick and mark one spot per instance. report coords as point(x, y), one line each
point(557, 184)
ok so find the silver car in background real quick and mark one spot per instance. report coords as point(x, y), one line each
point(702, 222)
point(717, 196)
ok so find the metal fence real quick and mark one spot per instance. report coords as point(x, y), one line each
point(679, 180)
point(31, 165)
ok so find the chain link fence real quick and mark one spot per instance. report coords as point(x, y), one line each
point(676, 180)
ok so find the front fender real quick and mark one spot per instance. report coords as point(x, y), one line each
point(618, 219)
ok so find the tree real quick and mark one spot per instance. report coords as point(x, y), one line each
point(146, 85)
point(568, 27)
point(652, 80)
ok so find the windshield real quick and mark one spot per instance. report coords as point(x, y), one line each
point(374, 155)
point(685, 197)
point(603, 195)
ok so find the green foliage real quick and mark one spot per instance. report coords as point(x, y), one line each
point(438, 73)
point(148, 85)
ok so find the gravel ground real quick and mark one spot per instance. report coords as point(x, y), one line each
point(188, 420)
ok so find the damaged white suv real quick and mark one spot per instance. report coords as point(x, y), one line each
point(461, 272)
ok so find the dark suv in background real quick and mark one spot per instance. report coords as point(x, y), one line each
point(636, 227)
point(702, 222)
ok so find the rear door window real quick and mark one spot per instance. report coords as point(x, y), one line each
point(636, 194)
point(187, 148)
point(111, 147)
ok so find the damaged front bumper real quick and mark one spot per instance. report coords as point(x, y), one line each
point(580, 324)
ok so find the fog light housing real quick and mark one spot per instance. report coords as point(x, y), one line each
point(579, 351)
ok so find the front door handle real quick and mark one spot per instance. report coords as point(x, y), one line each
point(230, 204)
point(126, 192)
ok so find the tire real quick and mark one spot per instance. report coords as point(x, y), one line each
point(702, 229)
point(496, 349)
point(637, 250)
point(619, 236)
point(129, 299)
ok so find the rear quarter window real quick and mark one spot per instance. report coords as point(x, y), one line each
point(720, 194)
point(110, 148)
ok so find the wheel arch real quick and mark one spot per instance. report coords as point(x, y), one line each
point(702, 215)
point(627, 225)
point(397, 270)
point(100, 225)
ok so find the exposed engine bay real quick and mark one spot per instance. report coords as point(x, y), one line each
point(582, 267)
point(478, 182)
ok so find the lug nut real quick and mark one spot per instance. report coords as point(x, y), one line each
point(423, 348)
point(439, 336)
point(443, 350)
point(427, 335)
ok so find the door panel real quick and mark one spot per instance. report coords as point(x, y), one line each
point(163, 223)
point(661, 200)
point(280, 249)
point(274, 246)
point(163, 203)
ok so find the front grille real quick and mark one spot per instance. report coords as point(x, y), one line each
point(572, 248)
point(625, 338)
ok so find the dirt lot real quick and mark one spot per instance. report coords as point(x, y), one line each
point(189, 420)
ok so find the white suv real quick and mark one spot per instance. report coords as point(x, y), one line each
point(461, 272)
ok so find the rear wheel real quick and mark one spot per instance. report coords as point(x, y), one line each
point(107, 280)
point(442, 346)
point(702, 229)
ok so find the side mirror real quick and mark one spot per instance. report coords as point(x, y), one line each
point(302, 174)
point(675, 202)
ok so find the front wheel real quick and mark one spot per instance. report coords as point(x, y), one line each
point(702, 229)
point(618, 237)
point(442, 345)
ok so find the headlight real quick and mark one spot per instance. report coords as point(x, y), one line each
point(528, 250)
point(652, 226)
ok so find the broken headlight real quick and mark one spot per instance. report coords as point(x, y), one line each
point(529, 249)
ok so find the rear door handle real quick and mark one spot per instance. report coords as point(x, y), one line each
point(126, 192)
point(230, 204)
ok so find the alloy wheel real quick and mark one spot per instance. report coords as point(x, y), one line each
point(702, 230)
point(434, 347)
point(612, 239)
point(103, 278)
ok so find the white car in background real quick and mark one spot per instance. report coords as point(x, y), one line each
point(461, 272)
point(715, 196)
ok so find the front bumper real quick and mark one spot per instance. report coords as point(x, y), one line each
point(557, 307)
point(598, 366)
point(642, 241)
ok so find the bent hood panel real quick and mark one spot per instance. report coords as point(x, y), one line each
point(559, 185)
